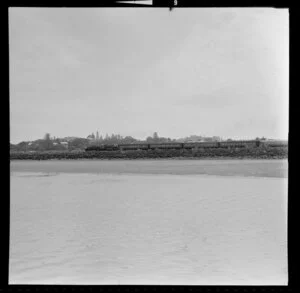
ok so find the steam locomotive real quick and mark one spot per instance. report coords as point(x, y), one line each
point(178, 146)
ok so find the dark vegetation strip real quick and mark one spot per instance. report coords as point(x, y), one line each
point(238, 153)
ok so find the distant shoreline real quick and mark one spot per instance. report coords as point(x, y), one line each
point(208, 154)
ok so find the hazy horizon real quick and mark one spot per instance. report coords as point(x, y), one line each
point(144, 138)
point(135, 71)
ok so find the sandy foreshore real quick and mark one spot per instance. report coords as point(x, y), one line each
point(253, 168)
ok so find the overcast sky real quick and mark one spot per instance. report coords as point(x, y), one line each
point(205, 71)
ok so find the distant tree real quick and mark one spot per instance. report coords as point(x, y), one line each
point(155, 137)
point(58, 147)
point(22, 146)
point(129, 139)
point(92, 136)
point(47, 144)
point(149, 139)
point(113, 139)
point(78, 143)
point(13, 147)
point(44, 145)
point(47, 136)
point(216, 138)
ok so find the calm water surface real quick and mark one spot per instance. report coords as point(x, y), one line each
point(148, 222)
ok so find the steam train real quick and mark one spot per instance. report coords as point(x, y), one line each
point(178, 146)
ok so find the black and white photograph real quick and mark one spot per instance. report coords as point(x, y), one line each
point(148, 146)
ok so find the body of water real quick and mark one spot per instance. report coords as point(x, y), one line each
point(203, 222)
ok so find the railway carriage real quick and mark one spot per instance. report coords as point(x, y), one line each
point(135, 146)
point(191, 145)
point(103, 147)
point(166, 146)
point(240, 143)
point(276, 143)
point(187, 145)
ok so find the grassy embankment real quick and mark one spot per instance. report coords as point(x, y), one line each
point(215, 153)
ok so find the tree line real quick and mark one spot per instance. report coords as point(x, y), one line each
point(49, 143)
